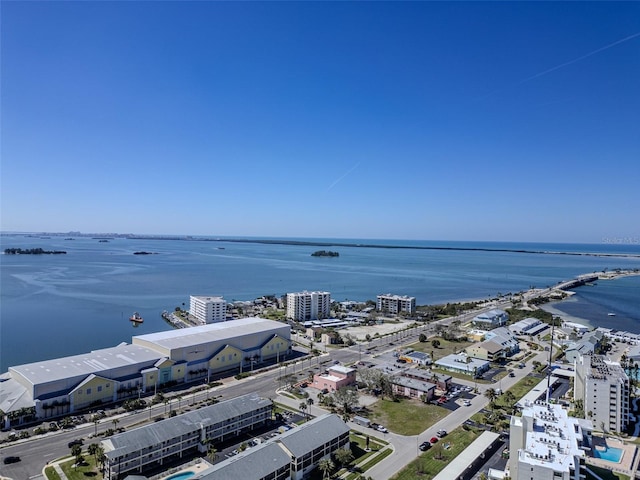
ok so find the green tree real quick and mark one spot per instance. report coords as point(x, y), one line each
point(76, 451)
point(435, 343)
point(303, 408)
point(422, 338)
point(491, 395)
point(115, 422)
point(100, 456)
point(346, 398)
point(326, 466)
point(344, 456)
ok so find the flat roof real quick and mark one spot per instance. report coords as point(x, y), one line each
point(459, 464)
point(187, 337)
point(459, 362)
point(341, 369)
point(86, 363)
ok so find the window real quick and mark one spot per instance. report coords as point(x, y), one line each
point(88, 391)
point(99, 388)
point(80, 392)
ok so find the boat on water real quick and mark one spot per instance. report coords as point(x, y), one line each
point(611, 314)
point(136, 318)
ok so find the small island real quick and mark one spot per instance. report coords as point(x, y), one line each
point(325, 253)
point(32, 251)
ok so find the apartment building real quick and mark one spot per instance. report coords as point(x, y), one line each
point(546, 444)
point(604, 388)
point(208, 309)
point(303, 306)
point(150, 446)
point(395, 304)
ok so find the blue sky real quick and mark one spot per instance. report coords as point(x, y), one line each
point(425, 120)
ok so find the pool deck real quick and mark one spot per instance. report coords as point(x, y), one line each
point(197, 468)
point(628, 462)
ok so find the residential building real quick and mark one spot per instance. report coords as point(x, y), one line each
point(488, 350)
point(395, 304)
point(441, 380)
point(546, 444)
point(587, 345)
point(491, 319)
point(413, 388)
point(499, 344)
point(335, 377)
point(61, 386)
point(462, 363)
point(604, 388)
point(208, 309)
point(153, 445)
point(304, 306)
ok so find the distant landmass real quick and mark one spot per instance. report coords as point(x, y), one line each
point(32, 251)
point(143, 253)
point(325, 253)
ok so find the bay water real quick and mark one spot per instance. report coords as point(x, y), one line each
point(58, 305)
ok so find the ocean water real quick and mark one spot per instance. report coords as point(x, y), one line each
point(58, 305)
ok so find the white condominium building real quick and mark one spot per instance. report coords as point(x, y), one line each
point(395, 304)
point(304, 306)
point(604, 388)
point(208, 309)
point(546, 444)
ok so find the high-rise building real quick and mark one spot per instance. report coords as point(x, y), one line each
point(208, 309)
point(304, 306)
point(604, 388)
point(546, 444)
point(395, 304)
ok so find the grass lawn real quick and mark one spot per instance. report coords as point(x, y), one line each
point(605, 474)
point(521, 388)
point(88, 470)
point(446, 347)
point(407, 417)
point(431, 462)
point(51, 474)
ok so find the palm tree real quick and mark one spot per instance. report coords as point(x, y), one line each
point(326, 466)
point(100, 456)
point(491, 395)
point(212, 453)
point(309, 402)
point(343, 456)
point(93, 450)
point(115, 422)
point(96, 421)
point(303, 408)
point(76, 451)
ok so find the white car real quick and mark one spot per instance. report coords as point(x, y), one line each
point(382, 429)
point(467, 403)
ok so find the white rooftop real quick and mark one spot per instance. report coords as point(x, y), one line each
point(186, 337)
point(341, 369)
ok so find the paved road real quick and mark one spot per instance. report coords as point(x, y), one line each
point(37, 451)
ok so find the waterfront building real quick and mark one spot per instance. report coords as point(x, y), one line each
point(604, 388)
point(462, 363)
point(335, 377)
point(303, 306)
point(491, 319)
point(587, 345)
point(395, 304)
point(57, 387)
point(528, 326)
point(546, 444)
point(207, 309)
point(290, 456)
point(153, 445)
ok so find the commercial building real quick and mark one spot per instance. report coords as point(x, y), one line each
point(604, 388)
point(303, 306)
point(442, 381)
point(335, 377)
point(395, 304)
point(462, 363)
point(208, 309)
point(528, 326)
point(418, 358)
point(546, 444)
point(153, 445)
point(491, 319)
point(57, 387)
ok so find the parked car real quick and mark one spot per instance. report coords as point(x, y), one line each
point(434, 440)
point(511, 374)
point(467, 403)
point(441, 433)
point(382, 429)
point(11, 459)
point(425, 446)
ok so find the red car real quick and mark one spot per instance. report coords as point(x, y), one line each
point(433, 440)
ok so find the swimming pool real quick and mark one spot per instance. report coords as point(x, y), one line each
point(610, 454)
point(181, 476)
